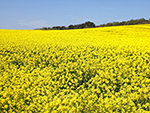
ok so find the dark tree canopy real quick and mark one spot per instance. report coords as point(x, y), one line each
point(89, 24)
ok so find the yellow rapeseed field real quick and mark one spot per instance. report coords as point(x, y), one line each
point(93, 70)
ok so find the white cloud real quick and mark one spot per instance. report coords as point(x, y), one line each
point(34, 24)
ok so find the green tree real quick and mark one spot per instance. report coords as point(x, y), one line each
point(83, 25)
point(89, 24)
point(48, 28)
point(44, 28)
point(123, 23)
point(54, 28)
point(115, 23)
point(58, 27)
point(109, 24)
point(63, 27)
point(70, 27)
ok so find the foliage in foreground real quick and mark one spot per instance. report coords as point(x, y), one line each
point(92, 70)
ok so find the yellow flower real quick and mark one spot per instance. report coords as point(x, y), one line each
point(75, 70)
point(6, 106)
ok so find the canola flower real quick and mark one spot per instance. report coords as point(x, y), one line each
point(95, 70)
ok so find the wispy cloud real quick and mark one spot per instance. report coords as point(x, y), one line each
point(34, 24)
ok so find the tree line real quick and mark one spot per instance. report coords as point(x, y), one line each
point(78, 26)
point(130, 22)
point(92, 25)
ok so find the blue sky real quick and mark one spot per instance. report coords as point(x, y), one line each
point(30, 14)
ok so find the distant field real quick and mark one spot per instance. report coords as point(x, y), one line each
point(93, 70)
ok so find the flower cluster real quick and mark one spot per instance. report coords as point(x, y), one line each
point(88, 70)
